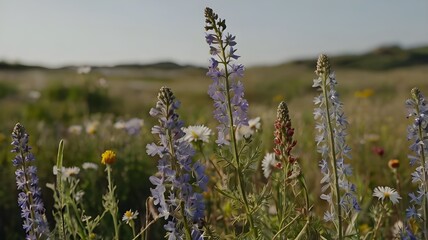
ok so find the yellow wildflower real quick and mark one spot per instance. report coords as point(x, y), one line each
point(366, 93)
point(108, 157)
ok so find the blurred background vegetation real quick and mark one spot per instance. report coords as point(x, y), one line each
point(373, 87)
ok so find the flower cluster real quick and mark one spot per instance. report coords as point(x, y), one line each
point(283, 144)
point(418, 134)
point(30, 196)
point(331, 126)
point(174, 191)
point(226, 90)
point(283, 134)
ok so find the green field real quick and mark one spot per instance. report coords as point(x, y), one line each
point(373, 88)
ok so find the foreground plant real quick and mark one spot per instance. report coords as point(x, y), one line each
point(383, 209)
point(288, 183)
point(109, 199)
point(231, 108)
point(29, 197)
point(418, 134)
point(331, 124)
point(180, 181)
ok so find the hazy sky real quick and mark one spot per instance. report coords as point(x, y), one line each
point(53, 32)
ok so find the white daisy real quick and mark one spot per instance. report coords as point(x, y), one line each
point(66, 172)
point(268, 163)
point(242, 131)
point(386, 192)
point(70, 171)
point(196, 133)
point(89, 165)
point(129, 216)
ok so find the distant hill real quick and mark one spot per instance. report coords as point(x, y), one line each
point(381, 58)
point(17, 66)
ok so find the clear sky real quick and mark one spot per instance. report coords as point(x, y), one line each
point(54, 32)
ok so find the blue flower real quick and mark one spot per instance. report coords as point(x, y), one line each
point(331, 121)
point(418, 110)
point(29, 196)
point(226, 89)
point(174, 186)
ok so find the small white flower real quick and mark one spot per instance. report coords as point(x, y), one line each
point(75, 129)
point(247, 131)
point(70, 171)
point(66, 172)
point(89, 165)
point(268, 163)
point(129, 215)
point(79, 195)
point(386, 192)
point(119, 124)
point(197, 133)
point(91, 127)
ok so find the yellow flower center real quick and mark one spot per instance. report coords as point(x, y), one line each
point(108, 157)
point(194, 135)
point(387, 194)
point(128, 214)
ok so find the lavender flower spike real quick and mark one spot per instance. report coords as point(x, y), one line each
point(29, 197)
point(418, 133)
point(177, 193)
point(227, 91)
point(331, 125)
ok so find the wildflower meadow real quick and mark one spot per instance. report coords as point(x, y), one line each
point(218, 153)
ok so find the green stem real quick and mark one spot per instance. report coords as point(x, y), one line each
point(60, 189)
point(133, 227)
point(113, 210)
point(145, 229)
point(332, 155)
point(305, 190)
point(285, 227)
point(377, 226)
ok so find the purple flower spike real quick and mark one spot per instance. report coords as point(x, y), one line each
point(417, 133)
point(226, 90)
point(331, 127)
point(175, 189)
point(29, 197)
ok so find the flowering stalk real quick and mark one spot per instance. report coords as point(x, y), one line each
point(175, 194)
point(228, 94)
point(331, 143)
point(110, 202)
point(283, 145)
point(29, 197)
point(418, 132)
